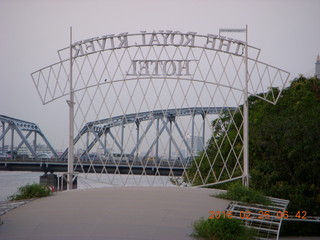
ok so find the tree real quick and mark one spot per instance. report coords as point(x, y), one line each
point(283, 148)
point(220, 160)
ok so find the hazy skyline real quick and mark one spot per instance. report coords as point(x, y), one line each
point(32, 31)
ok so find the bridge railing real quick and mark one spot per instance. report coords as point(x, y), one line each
point(109, 162)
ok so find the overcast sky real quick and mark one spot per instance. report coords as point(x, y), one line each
point(286, 31)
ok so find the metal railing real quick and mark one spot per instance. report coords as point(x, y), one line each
point(266, 219)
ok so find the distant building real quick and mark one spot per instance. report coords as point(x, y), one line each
point(318, 67)
point(4, 148)
point(197, 142)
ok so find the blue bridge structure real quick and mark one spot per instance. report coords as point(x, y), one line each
point(95, 133)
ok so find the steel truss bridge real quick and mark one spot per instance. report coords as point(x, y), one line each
point(123, 163)
point(23, 129)
point(166, 117)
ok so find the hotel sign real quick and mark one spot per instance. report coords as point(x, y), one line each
point(160, 38)
point(157, 67)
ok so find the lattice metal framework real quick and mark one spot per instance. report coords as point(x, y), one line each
point(266, 219)
point(103, 127)
point(24, 130)
point(129, 74)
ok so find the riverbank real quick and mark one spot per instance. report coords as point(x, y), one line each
point(10, 181)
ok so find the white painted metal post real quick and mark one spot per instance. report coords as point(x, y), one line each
point(246, 120)
point(71, 123)
point(245, 175)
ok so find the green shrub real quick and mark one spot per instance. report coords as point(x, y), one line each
point(31, 191)
point(238, 192)
point(222, 229)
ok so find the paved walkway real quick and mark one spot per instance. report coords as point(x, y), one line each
point(119, 213)
point(7, 206)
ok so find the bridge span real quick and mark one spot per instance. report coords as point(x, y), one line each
point(62, 166)
point(121, 161)
point(164, 120)
point(21, 130)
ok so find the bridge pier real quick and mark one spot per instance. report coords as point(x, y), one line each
point(50, 180)
point(58, 183)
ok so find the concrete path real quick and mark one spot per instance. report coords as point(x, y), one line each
point(119, 213)
point(7, 206)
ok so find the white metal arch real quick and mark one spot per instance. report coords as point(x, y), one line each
point(57, 74)
point(114, 75)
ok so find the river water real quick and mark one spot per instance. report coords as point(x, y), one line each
point(10, 181)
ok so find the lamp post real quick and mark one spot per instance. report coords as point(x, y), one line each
point(71, 124)
point(245, 176)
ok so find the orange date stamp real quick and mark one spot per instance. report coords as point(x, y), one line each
point(259, 215)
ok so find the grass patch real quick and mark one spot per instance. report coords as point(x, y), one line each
point(238, 192)
point(222, 229)
point(30, 191)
